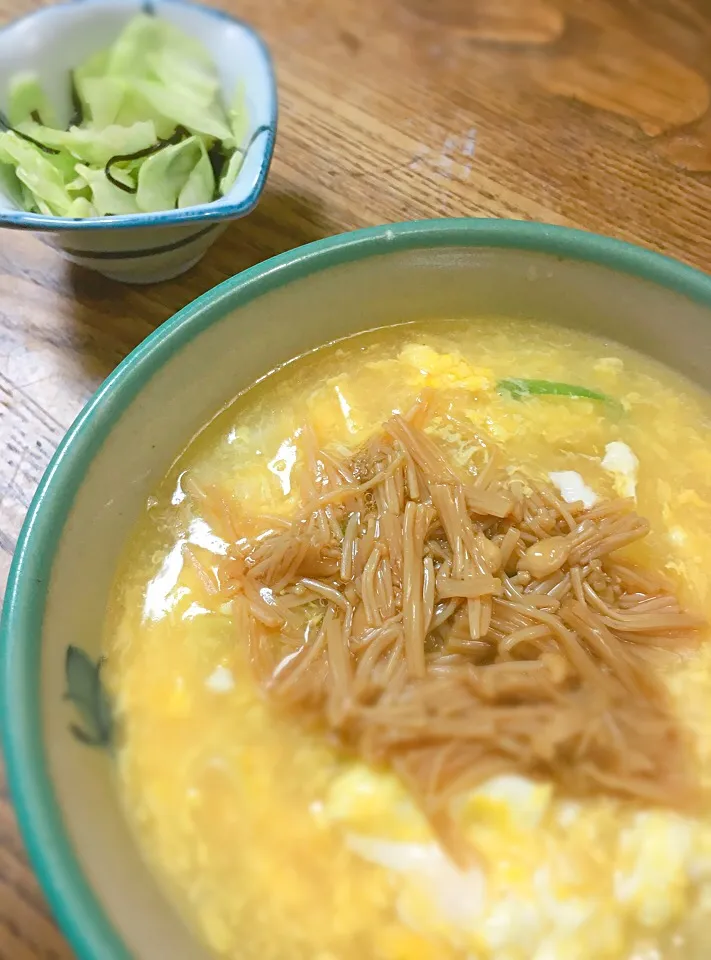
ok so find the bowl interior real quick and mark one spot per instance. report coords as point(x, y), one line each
point(53, 40)
point(171, 386)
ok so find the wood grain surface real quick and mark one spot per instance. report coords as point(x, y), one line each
point(592, 113)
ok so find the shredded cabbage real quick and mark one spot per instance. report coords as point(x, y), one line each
point(105, 196)
point(200, 187)
point(26, 97)
point(90, 145)
point(41, 178)
point(153, 132)
point(163, 176)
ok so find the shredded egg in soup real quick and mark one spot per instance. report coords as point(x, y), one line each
point(276, 841)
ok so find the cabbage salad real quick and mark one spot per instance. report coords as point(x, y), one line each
point(150, 131)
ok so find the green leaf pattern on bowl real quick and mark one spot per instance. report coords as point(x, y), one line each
point(85, 689)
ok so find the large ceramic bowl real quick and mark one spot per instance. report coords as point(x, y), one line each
point(143, 247)
point(103, 896)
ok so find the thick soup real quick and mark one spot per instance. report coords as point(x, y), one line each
point(408, 656)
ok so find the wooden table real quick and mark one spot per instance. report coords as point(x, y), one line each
point(590, 113)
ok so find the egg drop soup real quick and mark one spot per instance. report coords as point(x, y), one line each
point(408, 656)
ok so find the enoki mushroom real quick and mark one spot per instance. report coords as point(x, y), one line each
point(455, 627)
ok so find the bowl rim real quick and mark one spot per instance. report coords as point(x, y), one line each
point(74, 904)
point(216, 210)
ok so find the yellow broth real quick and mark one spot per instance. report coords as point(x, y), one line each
point(273, 844)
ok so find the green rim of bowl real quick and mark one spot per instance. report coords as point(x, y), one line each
point(77, 909)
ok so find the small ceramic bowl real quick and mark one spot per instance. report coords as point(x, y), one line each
point(102, 892)
point(146, 247)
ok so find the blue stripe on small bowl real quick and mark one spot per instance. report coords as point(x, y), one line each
point(139, 260)
point(134, 254)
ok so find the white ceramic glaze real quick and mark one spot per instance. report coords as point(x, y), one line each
point(141, 248)
point(127, 437)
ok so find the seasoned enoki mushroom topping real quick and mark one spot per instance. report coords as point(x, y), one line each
point(456, 627)
point(545, 557)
